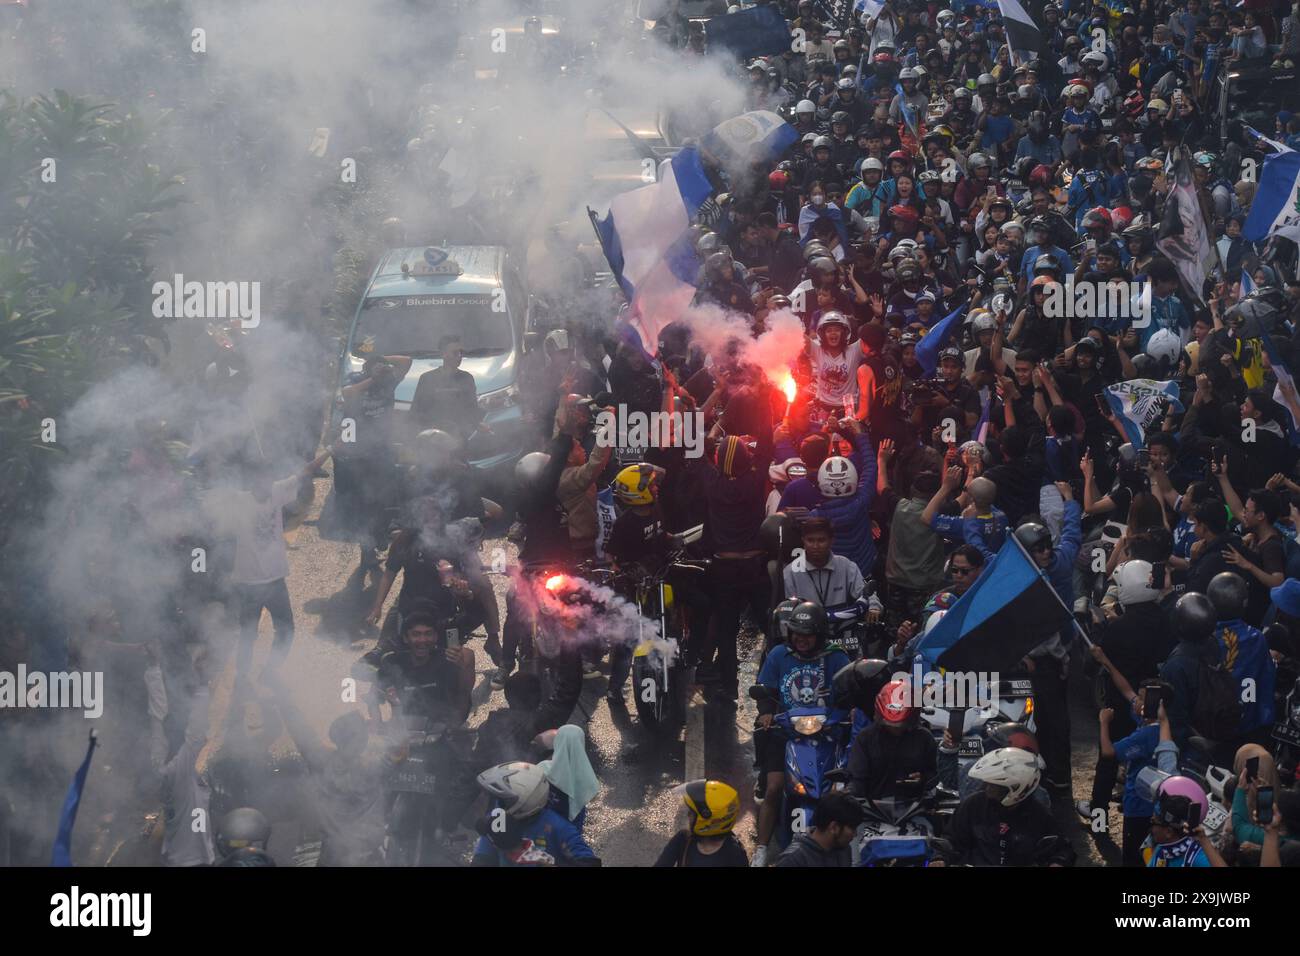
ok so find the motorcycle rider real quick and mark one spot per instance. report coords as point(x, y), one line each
point(893, 757)
point(835, 821)
point(422, 681)
point(712, 807)
point(825, 577)
point(1244, 651)
point(998, 825)
point(954, 770)
point(242, 836)
point(521, 830)
point(798, 674)
point(1177, 838)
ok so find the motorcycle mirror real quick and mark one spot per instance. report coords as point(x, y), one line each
point(759, 692)
point(836, 775)
point(869, 589)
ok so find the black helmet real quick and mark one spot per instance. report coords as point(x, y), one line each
point(1193, 617)
point(781, 618)
point(247, 856)
point(839, 116)
point(859, 683)
point(808, 617)
point(718, 262)
point(1228, 593)
point(240, 828)
point(1033, 536)
point(779, 535)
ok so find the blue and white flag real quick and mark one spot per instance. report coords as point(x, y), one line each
point(1283, 374)
point(1247, 284)
point(62, 853)
point(909, 114)
point(1139, 402)
point(645, 239)
point(927, 350)
point(1276, 209)
point(1279, 147)
point(759, 136)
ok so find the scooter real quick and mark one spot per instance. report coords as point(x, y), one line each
point(416, 789)
point(894, 825)
point(817, 743)
point(1010, 701)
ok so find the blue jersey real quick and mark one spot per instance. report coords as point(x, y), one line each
point(1137, 751)
point(800, 682)
point(1244, 651)
point(1184, 852)
point(548, 840)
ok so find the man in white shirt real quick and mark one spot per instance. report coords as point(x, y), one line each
point(253, 516)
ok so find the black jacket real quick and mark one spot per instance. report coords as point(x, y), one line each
point(985, 833)
point(805, 851)
point(879, 759)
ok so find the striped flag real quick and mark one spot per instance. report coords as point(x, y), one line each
point(1283, 374)
point(1023, 36)
point(1184, 237)
point(1138, 402)
point(1276, 208)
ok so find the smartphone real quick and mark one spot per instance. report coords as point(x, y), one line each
point(1252, 769)
point(993, 190)
point(1264, 805)
point(453, 638)
point(1102, 404)
point(1143, 457)
point(957, 724)
point(1151, 703)
point(1158, 575)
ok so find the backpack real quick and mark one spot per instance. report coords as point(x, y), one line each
point(1217, 713)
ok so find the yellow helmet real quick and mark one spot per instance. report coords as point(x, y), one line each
point(637, 484)
point(713, 805)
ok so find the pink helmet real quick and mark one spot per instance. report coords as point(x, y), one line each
point(1180, 800)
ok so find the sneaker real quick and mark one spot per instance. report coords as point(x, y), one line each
point(493, 649)
point(760, 857)
point(499, 677)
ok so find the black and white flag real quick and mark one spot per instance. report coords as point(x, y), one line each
point(1022, 34)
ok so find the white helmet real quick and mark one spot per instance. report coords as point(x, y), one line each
point(907, 73)
point(1017, 770)
point(837, 477)
point(805, 106)
point(986, 79)
point(833, 317)
point(935, 618)
point(944, 16)
point(780, 473)
point(983, 322)
point(521, 788)
point(906, 249)
point(1165, 345)
point(1095, 58)
point(872, 163)
point(1133, 583)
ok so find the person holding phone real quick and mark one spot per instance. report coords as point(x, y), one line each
point(1151, 745)
point(1254, 799)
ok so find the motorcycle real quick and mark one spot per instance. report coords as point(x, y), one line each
point(1010, 701)
point(854, 631)
point(895, 826)
point(817, 744)
point(416, 789)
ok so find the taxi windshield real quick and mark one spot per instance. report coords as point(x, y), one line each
point(414, 325)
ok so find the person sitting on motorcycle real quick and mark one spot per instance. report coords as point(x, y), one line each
point(824, 577)
point(424, 676)
point(708, 840)
point(998, 825)
point(835, 821)
point(520, 829)
point(894, 757)
point(1177, 837)
point(954, 772)
point(798, 674)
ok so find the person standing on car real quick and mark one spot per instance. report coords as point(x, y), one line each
point(447, 397)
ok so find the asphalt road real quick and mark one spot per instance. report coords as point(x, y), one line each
point(636, 812)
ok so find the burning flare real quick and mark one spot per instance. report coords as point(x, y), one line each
point(789, 386)
point(555, 582)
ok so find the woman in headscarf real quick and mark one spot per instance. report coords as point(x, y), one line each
point(573, 782)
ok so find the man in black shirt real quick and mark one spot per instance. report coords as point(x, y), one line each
point(835, 821)
point(446, 397)
point(425, 677)
point(955, 391)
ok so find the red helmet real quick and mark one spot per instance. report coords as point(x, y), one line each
point(1097, 216)
point(902, 154)
point(1120, 217)
point(1041, 176)
point(894, 703)
point(904, 212)
point(884, 56)
point(778, 179)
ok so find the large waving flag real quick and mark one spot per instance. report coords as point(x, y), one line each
point(1283, 374)
point(644, 238)
point(759, 136)
point(1184, 237)
point(754, 32)
point(1023, 36)
point(1279, 147)
point(1276, 209)
point(809, 214)
point(909, 114)
point(927, 350)
point(1138, 402)
point(62, 854)
point(1009, 610)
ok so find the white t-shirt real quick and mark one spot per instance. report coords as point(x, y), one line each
point(258, 529)
point(836, 375)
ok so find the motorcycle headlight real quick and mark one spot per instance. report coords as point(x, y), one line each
point(1029, 706)
point(809, 725)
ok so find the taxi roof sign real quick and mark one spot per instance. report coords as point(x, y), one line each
point(437, 262)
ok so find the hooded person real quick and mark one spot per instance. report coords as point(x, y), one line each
point(573, 783)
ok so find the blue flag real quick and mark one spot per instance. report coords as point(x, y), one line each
point(1283, 374)
point(748, 33)
point(927, 350)
point(1009, 610)
point(62, 855)
point(1275, 210)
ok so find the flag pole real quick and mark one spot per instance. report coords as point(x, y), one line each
point(1078, 628)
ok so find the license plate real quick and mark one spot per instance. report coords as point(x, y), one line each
point(1018, 688)
point(411, 777)
point(1215, 817)
point(1286, 732)
point(849, 644)
point(971, 747)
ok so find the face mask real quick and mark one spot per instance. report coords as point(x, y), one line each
point(819, 200)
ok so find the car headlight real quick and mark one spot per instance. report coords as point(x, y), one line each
point(501, 398)
point(809, 725)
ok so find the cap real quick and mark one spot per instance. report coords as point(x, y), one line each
point(952, 352)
